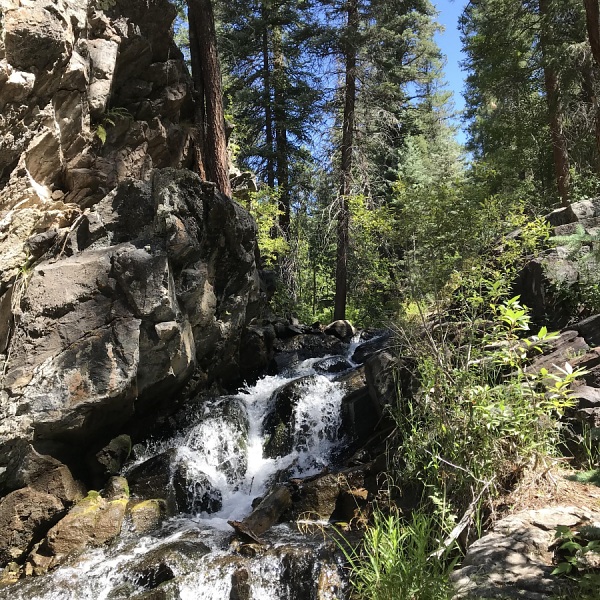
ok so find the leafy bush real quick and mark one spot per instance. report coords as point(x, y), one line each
point(481, 416)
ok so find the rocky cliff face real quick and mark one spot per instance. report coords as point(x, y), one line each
point(122, 275)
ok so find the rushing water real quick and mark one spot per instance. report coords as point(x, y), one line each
point(224, 444)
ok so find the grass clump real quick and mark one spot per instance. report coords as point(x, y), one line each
point(396, 559)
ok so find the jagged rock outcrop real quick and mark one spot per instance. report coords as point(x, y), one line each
point(123, 276)
point(547, 281)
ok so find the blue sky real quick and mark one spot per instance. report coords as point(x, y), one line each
point(449, 43)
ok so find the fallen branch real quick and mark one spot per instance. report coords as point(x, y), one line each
point(265, 515)
point(462, 524)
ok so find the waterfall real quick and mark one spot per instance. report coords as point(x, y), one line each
point(231, 450)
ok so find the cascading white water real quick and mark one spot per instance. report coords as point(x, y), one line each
point(224, 444)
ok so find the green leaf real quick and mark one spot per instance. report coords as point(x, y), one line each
point(562, 568)
point(101, 133)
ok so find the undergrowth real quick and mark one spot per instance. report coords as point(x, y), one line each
point(481, 418)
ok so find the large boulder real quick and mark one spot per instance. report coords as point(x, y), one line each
point(549, 282)
point(25, 517)
point(92, 522)
point(120, 311)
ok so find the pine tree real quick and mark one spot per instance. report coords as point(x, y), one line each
point(272, 92)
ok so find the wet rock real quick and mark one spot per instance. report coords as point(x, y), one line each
point(265, 515)
point(291, 351)
point(324, 496)
point(316, 498)
point(240, 587)
point(153, 478)
point(167, 562)
point(117, 488)
point(380, 341)
point(147, 515)
point(194, 492)
point(333, 364)
point(25, 517)
point(341, 329)
point(92, 522)
point(279, 422)
point(113, 456)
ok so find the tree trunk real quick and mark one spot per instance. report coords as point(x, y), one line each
point(267, 97)
point(214, 153)
point(591, 97)
point(343, 224)
point(265, 515)
point(592, 20)
point(200, 109)
point(560, 149)
point(281, 140)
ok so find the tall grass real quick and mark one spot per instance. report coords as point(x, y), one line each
point(395, 560)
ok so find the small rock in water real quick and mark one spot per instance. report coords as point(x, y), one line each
point(147, 515)
point(333, 364)
point(194, 492)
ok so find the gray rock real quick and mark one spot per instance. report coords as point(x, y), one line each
point(34, 37)
point(380, 341)
point(147, 515)
point(92, 522)
point(112, 457)
point(515, 560)
point(380, 373)
point(589, 329)
point(167, 562)
point(194, 493)
point(153, 479)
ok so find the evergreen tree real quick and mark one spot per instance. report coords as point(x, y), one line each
point(272, 92)
point(531, 95)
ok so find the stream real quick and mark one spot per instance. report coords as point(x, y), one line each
point(229, 457)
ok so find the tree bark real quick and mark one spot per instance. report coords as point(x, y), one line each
point(265, 515)
point(592, 20)
point(343, 224)
point(214, 155)
point(200, 109)
point(560, 150)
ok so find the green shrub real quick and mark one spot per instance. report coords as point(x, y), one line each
point(480, 417)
